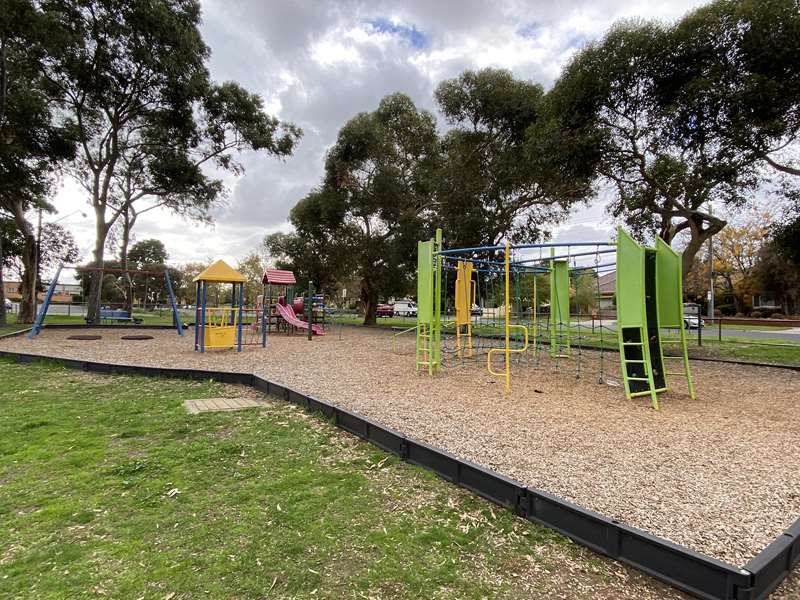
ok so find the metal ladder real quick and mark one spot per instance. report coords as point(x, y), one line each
point(644, 360)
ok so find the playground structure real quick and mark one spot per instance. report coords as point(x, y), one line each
point(279, 304)
point(537, 311)
point(108, 315)
point(237, 325)
point(219, 326)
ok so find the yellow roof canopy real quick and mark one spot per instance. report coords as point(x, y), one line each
point(221, 272)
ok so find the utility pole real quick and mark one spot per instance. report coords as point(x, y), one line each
point(710, 270)
point(38, 262)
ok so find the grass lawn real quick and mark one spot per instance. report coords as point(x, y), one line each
point(148, 318)
point(108, 488)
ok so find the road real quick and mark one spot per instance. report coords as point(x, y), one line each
point(790, 335)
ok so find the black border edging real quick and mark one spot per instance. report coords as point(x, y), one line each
point(774, 563)
point(685, 569)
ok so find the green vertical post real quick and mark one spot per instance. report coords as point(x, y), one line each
point(559, 307)
point(425, 287)
point(437, 304)
point(310, 310)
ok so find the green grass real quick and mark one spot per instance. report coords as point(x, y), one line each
point(108, 488)
point(148, 318)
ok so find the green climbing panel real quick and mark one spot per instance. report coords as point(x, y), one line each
point(559, 308)
point(649, 297)
point(425, 282)
point(427, 325)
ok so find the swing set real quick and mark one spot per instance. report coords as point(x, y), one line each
point(107, 314)
point(509, 304)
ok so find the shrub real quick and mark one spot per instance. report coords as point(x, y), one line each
point(777, 315)
point(738, 315)
point(757, 314)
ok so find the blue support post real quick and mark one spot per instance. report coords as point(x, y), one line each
point(37, 323)
point(239, 325)
point(233, 304)
point(196, 315)
point(203, 318)
point(264, 318)
point(176, 317)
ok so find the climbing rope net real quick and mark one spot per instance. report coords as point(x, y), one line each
point(539, 305)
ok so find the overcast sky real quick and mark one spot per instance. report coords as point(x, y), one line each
point(319, 63)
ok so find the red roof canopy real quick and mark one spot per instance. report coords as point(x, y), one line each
point(278, 277)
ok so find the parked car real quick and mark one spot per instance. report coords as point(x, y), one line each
point(385, 310)
point(404, 308)
point(476, 311)
point(9, 305)
point(693, 322)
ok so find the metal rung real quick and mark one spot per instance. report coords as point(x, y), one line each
point(631, 343)
point(638, 379)
point(633, 361)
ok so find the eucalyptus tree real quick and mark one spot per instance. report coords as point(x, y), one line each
point(35, 137)
point(678, 118)
point(491, 186)
point(150, 119)
point(377, 199)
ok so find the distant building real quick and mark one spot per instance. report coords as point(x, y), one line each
point(608, 291)
point(63, 292)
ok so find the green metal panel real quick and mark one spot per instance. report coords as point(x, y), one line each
point(668, 285)
point(425, 282)
point(436, 340)
point(630, 281)
point(559, 292)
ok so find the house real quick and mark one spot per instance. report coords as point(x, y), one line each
point(608, 290)
point(62, 292)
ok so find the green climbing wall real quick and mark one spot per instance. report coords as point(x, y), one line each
point(669, 285)
point(425, 282)
point(630, 281)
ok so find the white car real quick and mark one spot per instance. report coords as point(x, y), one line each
point(9, 305)
point(693, 322)
point(404, 308)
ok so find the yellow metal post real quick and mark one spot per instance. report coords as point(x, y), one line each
point(508, 341)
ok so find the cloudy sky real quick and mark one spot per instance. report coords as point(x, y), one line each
point(318, 63)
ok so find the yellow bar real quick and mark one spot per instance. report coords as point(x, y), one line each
point(508, 354)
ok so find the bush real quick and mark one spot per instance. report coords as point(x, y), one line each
point(738, 315)
point(777, 315)
point(757, 314)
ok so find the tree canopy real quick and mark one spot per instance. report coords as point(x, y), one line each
point(134, 76)
point(677, 117)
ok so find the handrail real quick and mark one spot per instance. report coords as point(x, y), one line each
point(394, 340)
point(506, 349)
point(414, 328)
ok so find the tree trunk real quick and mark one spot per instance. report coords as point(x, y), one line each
point(127, 225)
point(369, 299)
point(3, 320)
point(699, 236)
point(27, 307)
point(96, 286)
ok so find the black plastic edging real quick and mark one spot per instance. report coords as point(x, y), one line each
point(697, 574)
point(771, 566)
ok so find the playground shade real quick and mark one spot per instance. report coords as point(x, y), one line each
point(221, 272)
point(278, 277)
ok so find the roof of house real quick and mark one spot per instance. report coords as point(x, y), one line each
point(278, 277)
point(221, 272)
point(608, 283)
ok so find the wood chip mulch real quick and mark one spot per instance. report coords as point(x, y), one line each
point(718, 475)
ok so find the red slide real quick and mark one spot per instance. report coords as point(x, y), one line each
point(287, 312)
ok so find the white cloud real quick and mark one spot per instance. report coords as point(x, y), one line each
point(319, 63)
